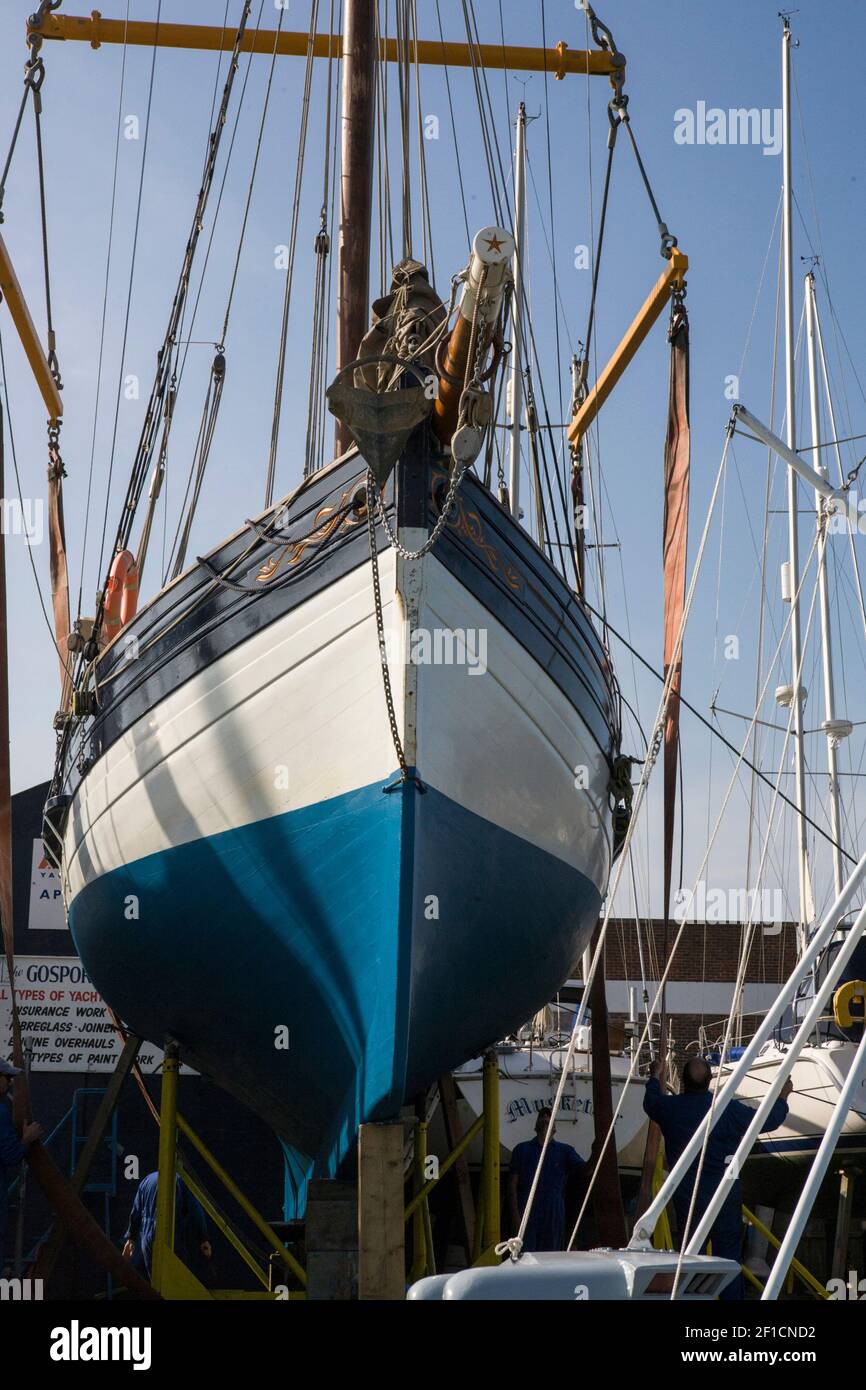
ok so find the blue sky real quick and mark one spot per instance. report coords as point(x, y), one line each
point(720, 200)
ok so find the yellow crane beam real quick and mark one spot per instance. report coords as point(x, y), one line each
point(95, 30)
point(671, 279)
point(11, 291)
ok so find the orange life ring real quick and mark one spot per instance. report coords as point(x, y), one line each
point(129, 599)
point(121, 594)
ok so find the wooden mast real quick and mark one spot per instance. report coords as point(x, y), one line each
point(356, 186)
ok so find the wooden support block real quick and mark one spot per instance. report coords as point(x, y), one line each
point(331, 1242)
point(448, 1097)
point(381, 1238)
point(847, 1184)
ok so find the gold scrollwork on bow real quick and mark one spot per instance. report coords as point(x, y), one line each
point(329, 521)
point(468, 523)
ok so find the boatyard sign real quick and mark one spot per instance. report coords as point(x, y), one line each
point(63, 1019)
point(46, 911)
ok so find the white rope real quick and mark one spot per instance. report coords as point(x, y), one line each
point(514, 1246)
point(672, 954)
point(744, 959)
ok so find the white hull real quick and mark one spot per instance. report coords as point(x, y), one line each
point(818, 1076)
point(242, 740)
point(528, 1082)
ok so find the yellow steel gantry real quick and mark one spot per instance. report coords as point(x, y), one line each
point(95, 30)
point(11, 291)
point(671, 279)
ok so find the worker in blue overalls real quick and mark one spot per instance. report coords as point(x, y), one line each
point(12, 1149)
point(190, 1226)
point(545, 1229)
point(679, 1117)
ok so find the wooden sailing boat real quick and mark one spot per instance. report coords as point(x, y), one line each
point(327, 866)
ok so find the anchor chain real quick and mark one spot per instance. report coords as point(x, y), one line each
point(405, 774)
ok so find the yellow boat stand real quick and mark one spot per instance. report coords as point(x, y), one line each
point(170, 1276)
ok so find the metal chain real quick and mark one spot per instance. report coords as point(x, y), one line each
point(374, 496)
point(380, 637)
point(441, 521)
point(56, 469)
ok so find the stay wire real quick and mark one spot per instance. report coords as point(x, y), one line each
point(552, 219)
point(104, 316)
point(514, 1245)
point(150, 426)
point(457, 161)
point(599, 246)
point(659, 995)
point(427, 222)
point(648, 666)
point(290, 268)
point(253, 172)
point(178, 374)
point(8, 418)
point(122, 355)
point(53, 364)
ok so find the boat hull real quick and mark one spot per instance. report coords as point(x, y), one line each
point(247, 873)
point(818, 1077)
point(528, 1082)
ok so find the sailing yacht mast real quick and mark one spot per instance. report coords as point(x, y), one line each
point(790, 439)
point(830, 725)
point(517, 312)
point(356, 186)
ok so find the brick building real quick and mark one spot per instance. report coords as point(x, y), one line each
point(700, 986)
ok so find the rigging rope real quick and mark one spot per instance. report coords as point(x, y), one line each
point(457, 161)
point(741, 970)
point(216, 381)
point(177, 373)
point(210, 411)
point(741, 759)
point(515, 1244)
point(293, 241)
point(126, 514)
point(322, 248)
point(104, 316)
point(34, 76)
point(401, 16)
point(53, 363)
point(251, 185)
point(147, 439)
point(7, 414)
point(426, 219)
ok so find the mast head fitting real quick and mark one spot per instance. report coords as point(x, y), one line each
point(488, 274)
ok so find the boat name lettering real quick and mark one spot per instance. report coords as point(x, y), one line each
point(517, 1109)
